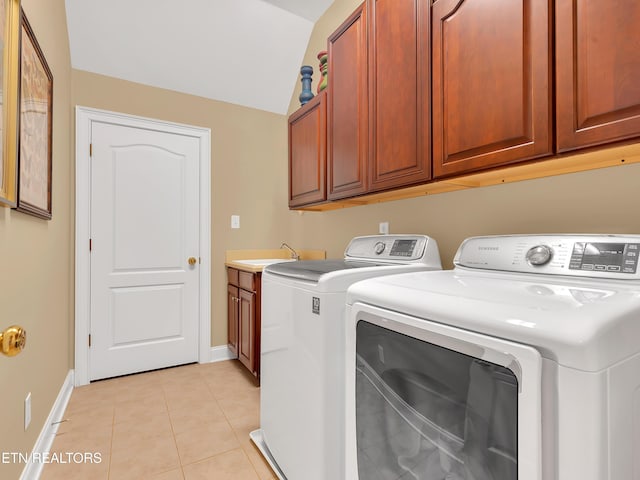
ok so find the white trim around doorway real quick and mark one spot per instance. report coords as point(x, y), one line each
point(84, 118)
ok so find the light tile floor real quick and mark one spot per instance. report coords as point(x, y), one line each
point(183, 423)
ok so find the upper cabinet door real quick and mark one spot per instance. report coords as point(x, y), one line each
point(399, 93)
point(491, 83)
point(307, 153)
point(347, 138)
point(598, 71)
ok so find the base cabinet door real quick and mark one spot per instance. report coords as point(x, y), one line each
point(243, 317)
point(247, 333)
point(232, 318)
point(491, 83)
point(598, 72)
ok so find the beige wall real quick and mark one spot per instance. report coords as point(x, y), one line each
point(596, 201)
point(36, 279)
point(248, 166)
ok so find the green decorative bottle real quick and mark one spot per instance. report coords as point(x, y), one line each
point(323, 56)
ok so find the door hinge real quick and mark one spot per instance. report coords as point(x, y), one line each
point(90, 244)
point(89, 339)
point(91, 149)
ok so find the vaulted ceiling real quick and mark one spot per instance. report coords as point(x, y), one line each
point(246, 52)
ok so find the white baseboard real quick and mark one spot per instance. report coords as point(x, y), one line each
point(48, 433)
point(218, 354)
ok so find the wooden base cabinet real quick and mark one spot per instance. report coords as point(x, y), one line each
point(598, 72)
point(244, 322)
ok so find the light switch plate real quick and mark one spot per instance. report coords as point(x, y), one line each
point(235, 221)
point(383, 228)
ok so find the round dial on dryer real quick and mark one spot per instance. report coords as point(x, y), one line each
point(539, 255)
point(379, 247)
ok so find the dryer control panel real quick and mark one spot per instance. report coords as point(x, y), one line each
point(392, 249)
point(602, 256)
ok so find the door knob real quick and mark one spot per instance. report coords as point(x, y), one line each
point(13, 340)
point(192, 261)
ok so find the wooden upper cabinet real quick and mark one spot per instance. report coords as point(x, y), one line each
point(307, 153)
point(399, 96)
point(347, 122)
point(491, 83)
point(598, 72)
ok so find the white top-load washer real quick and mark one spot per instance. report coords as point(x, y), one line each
point(302, 351)
point(521, 363)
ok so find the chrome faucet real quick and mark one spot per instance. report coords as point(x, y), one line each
point(294, 254)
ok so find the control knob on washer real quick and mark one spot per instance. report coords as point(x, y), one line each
point(539, 255)
point(379, 247)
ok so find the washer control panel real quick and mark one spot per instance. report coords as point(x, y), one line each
point(605, 256)
point(392, 248)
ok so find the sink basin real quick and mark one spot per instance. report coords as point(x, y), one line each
point(263, 262)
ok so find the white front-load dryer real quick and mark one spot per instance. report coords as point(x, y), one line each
point(521, 362)
point(302, 351)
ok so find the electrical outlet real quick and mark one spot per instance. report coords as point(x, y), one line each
point(235, 221)
point(383, 228)
point(27, 411)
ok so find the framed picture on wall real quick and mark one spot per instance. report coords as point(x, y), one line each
point(9, 82)
point(35, 126)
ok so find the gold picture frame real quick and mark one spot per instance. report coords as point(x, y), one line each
point(10, 78)
point(35, 126)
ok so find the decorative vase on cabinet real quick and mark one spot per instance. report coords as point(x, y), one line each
point(306, 71)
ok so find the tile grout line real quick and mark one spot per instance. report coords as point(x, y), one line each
point(228, 423)
point(173, 433)
point(235, 433)
point(113, 427)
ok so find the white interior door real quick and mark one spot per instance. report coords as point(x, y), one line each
point(144, 228)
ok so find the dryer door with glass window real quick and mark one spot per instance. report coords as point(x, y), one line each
point(432, 407)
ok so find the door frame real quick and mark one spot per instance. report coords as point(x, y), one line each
point(85, 116)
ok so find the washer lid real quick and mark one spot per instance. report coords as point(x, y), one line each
point(581, 323)
point(368, 251)
point(312, 270)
